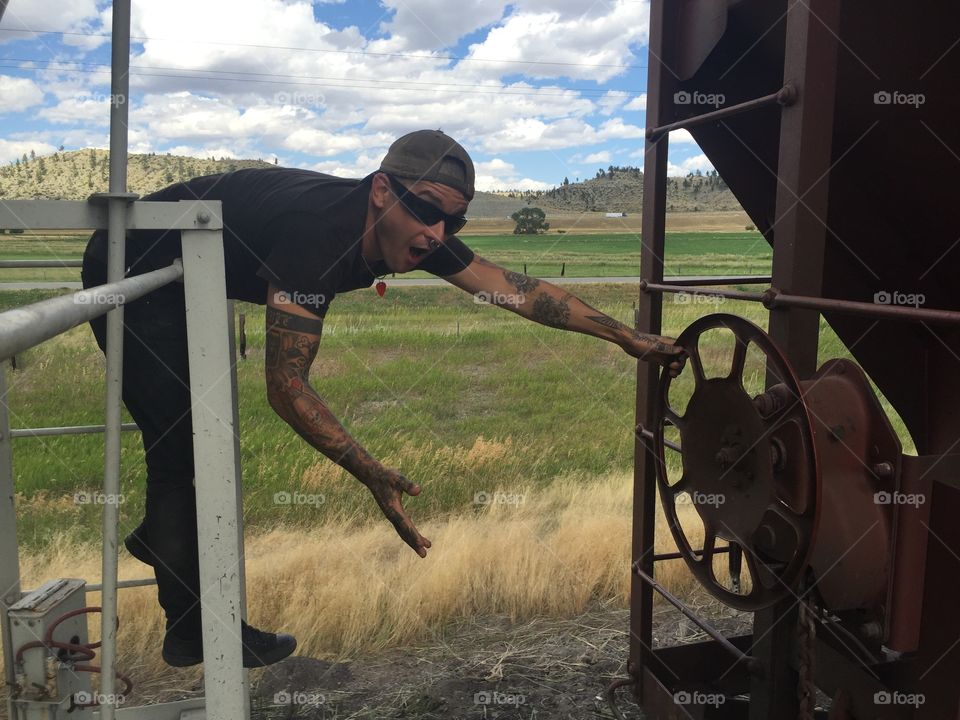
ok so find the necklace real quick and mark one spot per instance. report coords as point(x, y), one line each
point(381, 286)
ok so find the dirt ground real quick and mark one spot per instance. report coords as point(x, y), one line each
point(484, 669)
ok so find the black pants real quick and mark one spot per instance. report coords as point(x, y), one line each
point(156, 391)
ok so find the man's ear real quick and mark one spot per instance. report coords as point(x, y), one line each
point(379, 191)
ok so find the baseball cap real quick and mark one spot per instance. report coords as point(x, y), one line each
point(431, 155)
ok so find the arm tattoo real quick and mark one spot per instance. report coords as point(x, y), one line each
point(608, 321)
point(292, 344)
point(523, 283)
point(550, 311)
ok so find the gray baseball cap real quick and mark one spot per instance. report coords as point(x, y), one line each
point(431, 155)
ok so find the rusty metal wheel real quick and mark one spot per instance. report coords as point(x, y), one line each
point(749, 467)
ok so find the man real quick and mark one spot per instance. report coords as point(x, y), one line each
point(293, 239)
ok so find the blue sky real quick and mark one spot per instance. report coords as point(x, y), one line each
point(537, 90)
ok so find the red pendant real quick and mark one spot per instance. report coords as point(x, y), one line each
point(381, 288)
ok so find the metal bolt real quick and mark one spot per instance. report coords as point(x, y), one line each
point(203, 217)
point(883, 470)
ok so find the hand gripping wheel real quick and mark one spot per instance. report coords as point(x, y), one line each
point(749, 465)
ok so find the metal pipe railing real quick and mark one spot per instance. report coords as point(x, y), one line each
point(116, 239)
point(67, 430)
point(22, 328)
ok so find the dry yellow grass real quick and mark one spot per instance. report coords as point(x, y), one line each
point(345, 588)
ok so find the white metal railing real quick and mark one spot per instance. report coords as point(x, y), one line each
point(216, 450)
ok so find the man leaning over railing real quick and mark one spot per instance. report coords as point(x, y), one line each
point(293, 240)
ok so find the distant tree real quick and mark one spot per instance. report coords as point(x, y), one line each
point(60, 148)
point(33, 155)
point(530, 221)
point(566, 182)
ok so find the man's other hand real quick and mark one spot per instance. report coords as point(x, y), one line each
point(658, 349)
point(388, 487)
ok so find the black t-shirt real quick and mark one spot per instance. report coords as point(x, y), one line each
point(297, 229)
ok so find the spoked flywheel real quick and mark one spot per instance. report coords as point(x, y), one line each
point(749, 468)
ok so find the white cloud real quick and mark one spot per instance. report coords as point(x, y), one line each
point(595, 45)
point(639, 103)
point(10, 150)
point(17, 94)
point(689, 165)
point(681, 137)
point(598, 157)
point(498, 174)
point(57, 15)
point(612, 101)
point(436, 24)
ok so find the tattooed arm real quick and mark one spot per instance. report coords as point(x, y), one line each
point(550, 305)
point(293, 337)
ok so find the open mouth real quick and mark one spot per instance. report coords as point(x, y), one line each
point(417, 253)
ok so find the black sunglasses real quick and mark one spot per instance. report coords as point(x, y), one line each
point(423, 211)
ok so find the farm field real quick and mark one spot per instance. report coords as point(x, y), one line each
point(577, 255)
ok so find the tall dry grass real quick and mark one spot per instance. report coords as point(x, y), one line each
point(345, 588)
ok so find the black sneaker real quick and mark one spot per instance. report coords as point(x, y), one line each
point(259, 648)
point(136, 546)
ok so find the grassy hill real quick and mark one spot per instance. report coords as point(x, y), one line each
point(75, 175)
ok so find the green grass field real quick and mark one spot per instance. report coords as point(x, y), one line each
point(463, 398)
point(544, 255)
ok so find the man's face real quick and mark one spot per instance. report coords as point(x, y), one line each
point(414, 218)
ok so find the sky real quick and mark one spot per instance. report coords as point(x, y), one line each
point(536, 90)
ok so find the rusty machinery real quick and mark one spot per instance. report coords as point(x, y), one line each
point(833, 122)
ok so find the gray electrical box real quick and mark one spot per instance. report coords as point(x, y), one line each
point(47, 683)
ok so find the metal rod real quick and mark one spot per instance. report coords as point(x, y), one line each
point(718, 280)
point(646, 286)
point(774, 299)
point(649, 436)
point(9, 549)
point(787, 95)
point(41, 263)
point(67, 430)
point(692, 616)
point(116, 237)
point(144, 582)
point(24, 327)
point(677, 556)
